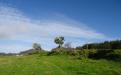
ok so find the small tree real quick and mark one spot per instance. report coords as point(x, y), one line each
point(36, 46)
point(67, 45)
point(59, 41)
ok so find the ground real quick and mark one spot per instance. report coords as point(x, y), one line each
point(56, 65)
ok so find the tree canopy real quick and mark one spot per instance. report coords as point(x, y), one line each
point(59, 41)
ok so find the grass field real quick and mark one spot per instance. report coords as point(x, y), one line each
point(56, 65)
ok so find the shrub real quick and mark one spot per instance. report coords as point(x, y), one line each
point(72, 52)
point(106, 54)
point(83, 54)
point(58, 51)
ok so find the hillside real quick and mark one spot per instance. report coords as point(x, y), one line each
point(56, 65)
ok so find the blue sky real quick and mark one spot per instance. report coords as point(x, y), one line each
point(24, 22)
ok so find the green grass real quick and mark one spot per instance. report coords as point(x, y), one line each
point(56, 65)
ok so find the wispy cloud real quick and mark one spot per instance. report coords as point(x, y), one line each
point(15, 25)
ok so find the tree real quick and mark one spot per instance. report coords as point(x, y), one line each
point(36, 46)
point(59, 41)
point(68, 45)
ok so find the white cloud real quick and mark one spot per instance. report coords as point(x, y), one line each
point(15, 25)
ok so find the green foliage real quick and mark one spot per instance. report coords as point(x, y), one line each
point(64, 51)
point(104, 45)
point(83, 53)
point(73, 52)
point(56, 65)
point(106, 54)
point(58, 51)
point(59, 40)
point(88, 53)
point(118, 52)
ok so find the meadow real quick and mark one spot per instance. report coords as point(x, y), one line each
point(57, 65)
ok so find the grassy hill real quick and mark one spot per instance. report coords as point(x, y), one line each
point(56, 65)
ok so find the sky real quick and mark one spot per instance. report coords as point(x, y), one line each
point(24, 22)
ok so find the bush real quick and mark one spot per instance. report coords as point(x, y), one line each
point(117, 52)
point(83, 54)
point(63, 51)
point(88, 53)
point(106, 54)
point(58, 51)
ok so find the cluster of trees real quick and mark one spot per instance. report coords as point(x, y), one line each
point(104, 45)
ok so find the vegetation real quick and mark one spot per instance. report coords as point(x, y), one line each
point(90, 59)
point(56, 65)
point(37, 46)
point(104, 45)
point(59, 41)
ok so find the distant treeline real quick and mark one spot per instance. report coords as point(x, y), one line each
point(104, 45)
